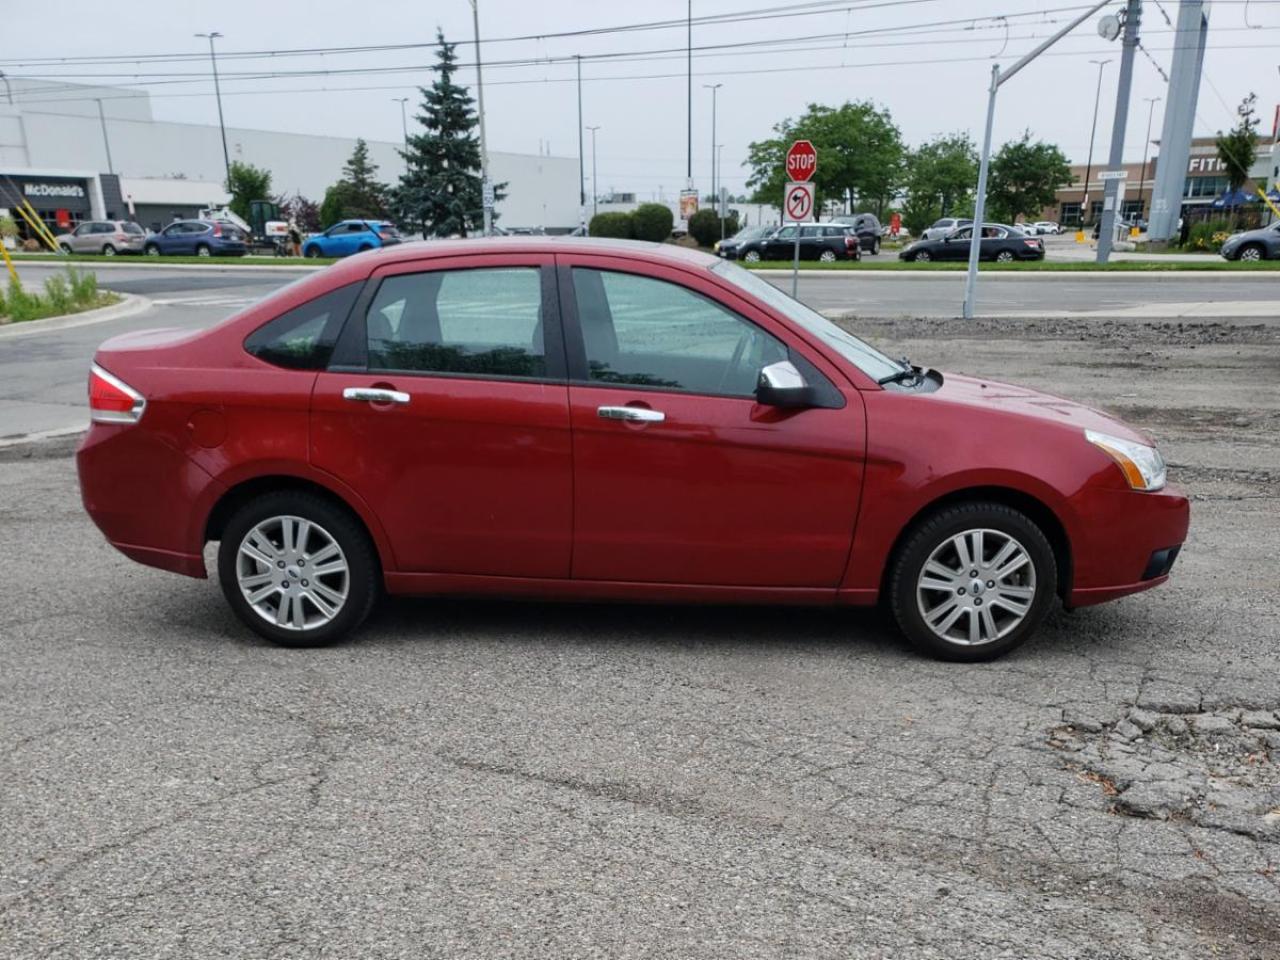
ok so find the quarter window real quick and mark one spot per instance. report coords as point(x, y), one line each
point(303, 338)
point(482, 322)
point(650, 333)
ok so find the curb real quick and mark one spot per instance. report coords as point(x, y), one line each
point(130, 304)
point(148, 263)
point(46, 445)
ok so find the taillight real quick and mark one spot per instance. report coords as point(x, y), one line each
point(111, 400)
point(850, 243)
point(1032, 243)
point(217, 230)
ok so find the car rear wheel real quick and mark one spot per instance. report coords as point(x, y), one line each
point(924, 256)
point(108, 250)
point(875, 246)
point(972, 582)
point(151, 250)
point(1004, 256)
point(1252, 252)
point(827, 256)
point(751, 256)
point(297, 569)
point(203, 250)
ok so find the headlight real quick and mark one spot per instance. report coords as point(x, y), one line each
point(1142, 465)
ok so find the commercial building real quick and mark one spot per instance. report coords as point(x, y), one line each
point(77, 151)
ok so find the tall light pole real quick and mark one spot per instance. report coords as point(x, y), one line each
point(1111, 196)
point(688, 173)
point(404, 123)
point(719, 179)
point(1146, 150)
point(713, 87)
point(106, 142)
point(582, 176)
point(217, 92)
point(595, 184)
point(1088, 167)
point(485, 186)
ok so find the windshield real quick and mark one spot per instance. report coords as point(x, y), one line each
point(863, 356)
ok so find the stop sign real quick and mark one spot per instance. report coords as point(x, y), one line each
point(802, 160)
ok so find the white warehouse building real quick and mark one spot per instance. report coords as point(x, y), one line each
point(55, 138)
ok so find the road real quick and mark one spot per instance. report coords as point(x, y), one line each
point(512, 780)
point(42, 375)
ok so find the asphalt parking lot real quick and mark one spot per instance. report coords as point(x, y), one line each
point(513, 780)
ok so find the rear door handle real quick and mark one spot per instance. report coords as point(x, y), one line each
point(375, 395)
point(633, 414)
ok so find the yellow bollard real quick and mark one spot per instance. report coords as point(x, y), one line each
point(13, 274)
point(38, 225)
point(1079, 236)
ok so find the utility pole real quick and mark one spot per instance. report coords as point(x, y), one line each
point(980, 201)
point(217, 92)
point(719, 152)
point(106, 142)
point(595, 184)
point(486, 187)
point(582, 176)
point(404, 123)
point(688, 173)
point(1093, 129)
point(1111, 197)
point(1179, 115)
point(1146, 150)
point(713, 87)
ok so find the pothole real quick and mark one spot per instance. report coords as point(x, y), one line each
point(1210, 768)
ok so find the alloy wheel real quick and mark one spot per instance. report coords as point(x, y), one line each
point(292, 573)
point(923, 256)
point(751, 257)
point(828, 256)
point(1251, 253)
point(976, 587)
point(1004, 256)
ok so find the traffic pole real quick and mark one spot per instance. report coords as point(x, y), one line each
point(1106, 233)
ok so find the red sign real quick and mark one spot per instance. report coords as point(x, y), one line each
point(802, 161)
point(62, 218)
point(797, 201)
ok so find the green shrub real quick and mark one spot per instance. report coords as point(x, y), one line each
point(22, 305)
point(617, 225)
point(653, 222)
point(1209, 235)
point(84, 286)
point(704, 226)
point(57, 293)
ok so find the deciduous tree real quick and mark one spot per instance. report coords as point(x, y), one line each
point(1025, 178)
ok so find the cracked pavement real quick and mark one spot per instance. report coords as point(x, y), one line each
point(505, 779)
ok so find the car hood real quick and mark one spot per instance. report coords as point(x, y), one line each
point(994, 396)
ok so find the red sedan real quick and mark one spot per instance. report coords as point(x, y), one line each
point(603, 419)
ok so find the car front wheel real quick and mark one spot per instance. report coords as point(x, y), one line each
point(1004, 256)
point(923, 256)
point(1252, 252)
point(311, 252)
point(972, 582)
point(65, 248)
point(875, 246)
point(751, 256)
point(297, 569)
point(151, 250)
point(108, 250)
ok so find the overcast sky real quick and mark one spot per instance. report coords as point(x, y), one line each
point(923, 60)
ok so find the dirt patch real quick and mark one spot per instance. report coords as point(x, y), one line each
point(1167, 333)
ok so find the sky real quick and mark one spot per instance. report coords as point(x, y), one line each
point(926, 61)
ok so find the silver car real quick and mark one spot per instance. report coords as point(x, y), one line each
point(107, 237)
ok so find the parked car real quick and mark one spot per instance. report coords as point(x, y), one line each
point(728, 249)
point(827, 242)
point(351, 236)
point(199, 238)
point(940, 228)
point(468, 417)
point(867, 227)
point(1047, 227)
point(1001, 243)
point(1262, 244)
point(107, 237)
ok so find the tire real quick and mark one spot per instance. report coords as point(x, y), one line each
point(311, 252)
point(1252, 252)
point(924, 256)
point(751, 256)
point(875, 246)
point(1004, 256)
point(364, 247)
point(65, 248)
point(202, 250)
point(108, 250)
point(263, 521)
point(151, 250)
point(1000, 629)
point(827, 256)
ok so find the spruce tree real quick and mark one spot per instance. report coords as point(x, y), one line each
point(441, 192)
point(365, 195)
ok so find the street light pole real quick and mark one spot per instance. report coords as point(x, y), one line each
point(582, 175)
point(688, 173)
point(595, 184)
point(713, 87)
point(217, 92)
point(1111, 198)
point(404, 123)
point(1088, 167)
point(720, 188)
point(1146, 151)
point(106, 142)
point(486, 194)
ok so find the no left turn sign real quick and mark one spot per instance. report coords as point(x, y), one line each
point(797, 202)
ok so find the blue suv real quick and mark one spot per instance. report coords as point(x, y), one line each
point(198, 238)
point(351, 236)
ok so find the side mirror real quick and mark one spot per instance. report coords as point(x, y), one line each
point(782, 385)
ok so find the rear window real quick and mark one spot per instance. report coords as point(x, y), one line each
point(303, 338)
point(132, 228)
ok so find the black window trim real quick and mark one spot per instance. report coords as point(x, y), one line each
point(576, 348)
point(351, 352)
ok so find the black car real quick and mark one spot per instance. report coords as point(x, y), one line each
point(729, 248)
point(867, 227)
point(999, 242)
point(827, 242)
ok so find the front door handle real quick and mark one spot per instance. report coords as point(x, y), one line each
point(633, 414)
point(375, 395)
